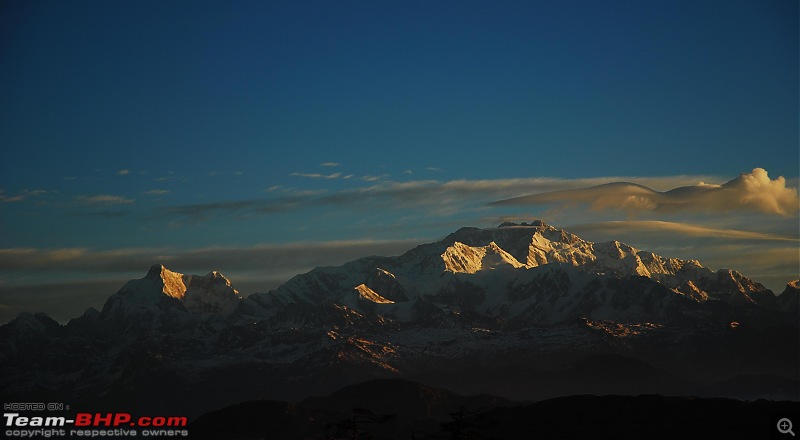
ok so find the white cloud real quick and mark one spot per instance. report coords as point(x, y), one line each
point(754, 192)
point(758, 192)
point(123, 172)
point(329, 164)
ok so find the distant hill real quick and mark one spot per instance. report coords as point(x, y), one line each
point(396, 409)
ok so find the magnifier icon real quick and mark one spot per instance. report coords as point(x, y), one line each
point(785, 426)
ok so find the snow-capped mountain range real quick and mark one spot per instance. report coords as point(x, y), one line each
point(514, 270)
point(505, 303)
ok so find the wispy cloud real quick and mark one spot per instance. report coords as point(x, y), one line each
point(318, 175)
point(667, 229)
point(329, 164)
point(81, 259)
point(199, 211)
point(156, 192)
point(371, 178)
point(21, 196)
point(170, 175)
point(753, 191)
point(221, 173)
point(445, 197)
point(123, 172)
point(104, 199)
point(288, 200)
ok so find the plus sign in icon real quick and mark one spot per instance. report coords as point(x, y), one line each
point(785, 426)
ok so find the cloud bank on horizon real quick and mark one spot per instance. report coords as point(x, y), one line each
point(753, 191)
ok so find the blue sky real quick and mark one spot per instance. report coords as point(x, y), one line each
point(263, 138)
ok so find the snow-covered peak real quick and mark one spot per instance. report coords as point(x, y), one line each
point(171, 283)
point(158, 283)
point(462, 258)
point(211, 293)
point(470, 250)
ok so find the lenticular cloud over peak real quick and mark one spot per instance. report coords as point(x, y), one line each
point(753, 191)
